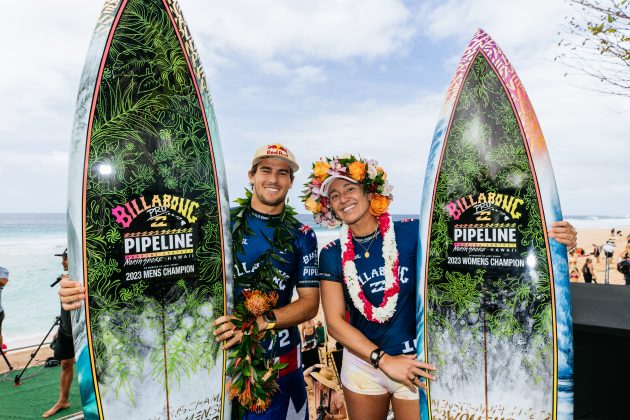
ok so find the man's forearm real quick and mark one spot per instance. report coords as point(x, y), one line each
point(298, 311)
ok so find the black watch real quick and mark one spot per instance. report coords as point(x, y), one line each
point(376, 356)
point(270, 319)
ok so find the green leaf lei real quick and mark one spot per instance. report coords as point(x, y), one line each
point(253, 375)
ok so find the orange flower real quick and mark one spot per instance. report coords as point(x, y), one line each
point(233, 393)
point(312, 205)
point(357, 170)
point(378, 205)
point(257, 302)
point(320, 170)
point(273, 298)
point(261, 405)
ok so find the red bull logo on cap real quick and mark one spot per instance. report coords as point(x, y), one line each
point(277, 150)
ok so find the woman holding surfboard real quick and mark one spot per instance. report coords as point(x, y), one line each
point(371, 271)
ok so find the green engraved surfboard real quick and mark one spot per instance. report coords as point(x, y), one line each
point(494, 310)
point(148, 222)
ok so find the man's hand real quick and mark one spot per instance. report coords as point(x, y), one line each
point(565, 233)
point(71, 293)
point(227, 332)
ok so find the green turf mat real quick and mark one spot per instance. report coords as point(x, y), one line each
point(38, 392)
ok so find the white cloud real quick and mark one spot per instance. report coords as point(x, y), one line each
point(277, 56)
point(304, 76)
point(398, 135)
point(43, 47)
point(33, 182)
point(585, 131)
point(516, 24)
point(300, 29)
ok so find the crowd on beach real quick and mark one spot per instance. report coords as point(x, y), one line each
point(367, 317)
point(606, 262)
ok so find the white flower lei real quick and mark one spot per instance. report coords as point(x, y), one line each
point(386, 310)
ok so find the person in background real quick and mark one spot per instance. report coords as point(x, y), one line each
point(573, 260)
point(588, 272)
point(596, 252)
point(309, 339)
point(4, 279)
point(64, 352)
point(624, 265)
point(329, 404)
point(320, 331)
point(574, 275)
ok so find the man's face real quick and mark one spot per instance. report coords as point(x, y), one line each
point(64, 263)
point(271, 183)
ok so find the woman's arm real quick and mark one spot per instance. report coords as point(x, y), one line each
point(402, 368)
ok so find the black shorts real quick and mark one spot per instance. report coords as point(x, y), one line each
point(1, 319)
point(64, 347)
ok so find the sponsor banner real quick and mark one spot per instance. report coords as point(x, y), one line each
point(485, 231)
point(160, 235)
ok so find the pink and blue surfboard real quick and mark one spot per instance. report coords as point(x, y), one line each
point(493, 292)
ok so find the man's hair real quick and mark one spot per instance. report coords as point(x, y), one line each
point(255, 168)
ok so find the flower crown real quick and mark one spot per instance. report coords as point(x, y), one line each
point(364, 171)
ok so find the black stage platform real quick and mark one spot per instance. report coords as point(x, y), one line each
point(601, 335)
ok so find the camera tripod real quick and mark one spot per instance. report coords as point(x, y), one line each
point(4, 356)
point(18, 377)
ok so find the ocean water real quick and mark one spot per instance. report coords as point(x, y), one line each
point(28, 243)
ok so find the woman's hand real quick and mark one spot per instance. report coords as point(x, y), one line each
point(406, 369)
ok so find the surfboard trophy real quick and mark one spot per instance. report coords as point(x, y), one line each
point(493, 291)
point(148, 222)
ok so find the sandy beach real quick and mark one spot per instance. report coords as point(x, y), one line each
point(19, 358)
point(589, 236)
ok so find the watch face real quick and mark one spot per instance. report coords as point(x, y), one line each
point(270, 316)
point(374, 356)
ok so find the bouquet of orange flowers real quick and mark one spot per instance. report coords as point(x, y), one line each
point(253, 376)
point(253, 373)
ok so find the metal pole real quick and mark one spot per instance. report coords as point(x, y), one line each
point(4, 356)
point(17, 377)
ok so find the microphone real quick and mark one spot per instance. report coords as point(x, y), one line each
point(57, 281)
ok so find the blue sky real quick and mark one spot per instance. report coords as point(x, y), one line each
point(325, 77)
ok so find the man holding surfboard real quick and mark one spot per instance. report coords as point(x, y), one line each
point(271, 176)
point(64, 352)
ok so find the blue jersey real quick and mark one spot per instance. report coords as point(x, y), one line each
point(398, 335)
point(299, 270)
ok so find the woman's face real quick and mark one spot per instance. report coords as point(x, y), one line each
point(348, 201)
